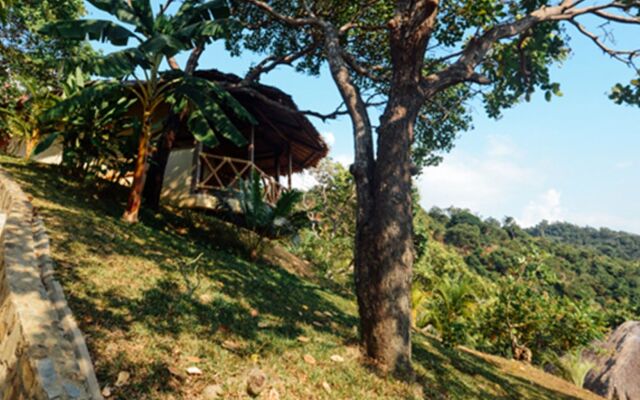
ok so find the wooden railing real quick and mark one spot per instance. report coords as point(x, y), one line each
point(226, 173)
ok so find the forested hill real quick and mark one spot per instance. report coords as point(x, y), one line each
point(588, 264)
point(609, 242)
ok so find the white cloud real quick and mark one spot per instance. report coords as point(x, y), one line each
point(623, 164)
point(546, 207)
point(485, 183)
point(303, 180)
point(329, 138)
point(344, 159)
point(501, 146)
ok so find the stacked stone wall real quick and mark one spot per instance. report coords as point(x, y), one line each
point(42, 352)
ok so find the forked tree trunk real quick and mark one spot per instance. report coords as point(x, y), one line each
point(139, 174)
point(384, 221)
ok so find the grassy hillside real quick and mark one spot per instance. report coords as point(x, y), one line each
point(147, 308)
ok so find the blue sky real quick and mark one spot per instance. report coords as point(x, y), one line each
point(574, 159)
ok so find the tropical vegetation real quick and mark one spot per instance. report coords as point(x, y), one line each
point(378, 269)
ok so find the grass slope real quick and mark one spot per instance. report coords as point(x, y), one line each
point(144, 310)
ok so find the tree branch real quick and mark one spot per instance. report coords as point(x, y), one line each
point(338, 111)
point(271, 62)
point(286, 19)
point(194, 58)
point(463, 69)
point(173, 64)
point(617, 54)
point(360, 69)
point(164, 7)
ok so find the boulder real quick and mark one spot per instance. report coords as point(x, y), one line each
point(617, 364)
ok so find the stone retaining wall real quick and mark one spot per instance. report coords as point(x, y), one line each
point(42, 353)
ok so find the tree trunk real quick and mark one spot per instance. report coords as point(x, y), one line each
point(384, 221)
point(135, 196)
point(158, 164)
point(157, 169)
point(384, 251)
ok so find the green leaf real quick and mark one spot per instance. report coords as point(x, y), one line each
point(223, 96)
point(144, 13)
point(90, 95)
point(193, 33)
point(199, 127)
point(121, 63)
point(163, 44)
point(218, 120)
point(104, 31)
point(193, 11)
point(139, 15)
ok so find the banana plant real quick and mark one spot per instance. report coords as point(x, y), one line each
point(138, 69)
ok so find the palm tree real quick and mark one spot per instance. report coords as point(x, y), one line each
point(138, 69)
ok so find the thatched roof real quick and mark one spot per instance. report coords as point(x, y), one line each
point(281, 126)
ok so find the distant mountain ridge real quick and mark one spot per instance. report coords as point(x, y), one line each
point(607, 241)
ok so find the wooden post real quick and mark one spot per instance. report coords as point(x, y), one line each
point(290, 166)
point(277, 161)
point(252, 147)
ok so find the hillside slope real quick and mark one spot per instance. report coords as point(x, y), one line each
point(177, 291)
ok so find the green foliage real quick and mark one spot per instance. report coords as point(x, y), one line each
point(463, 235)
point(328, 242)
point(97, 134)
point(278, 220)
point(627, 94)
point(523, 288)
point(24, 52)
point(19, 123)
point(450, 309)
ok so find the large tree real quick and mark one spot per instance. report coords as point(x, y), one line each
point(425, 59)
